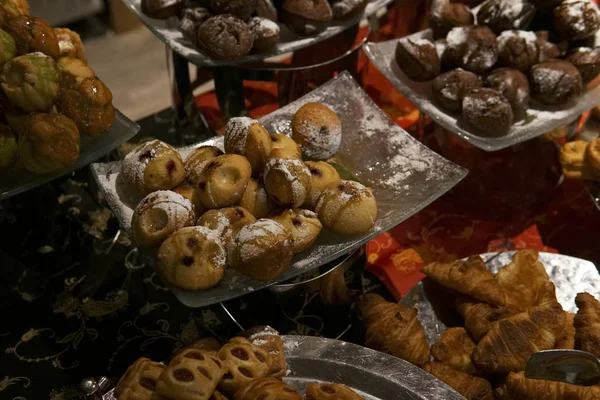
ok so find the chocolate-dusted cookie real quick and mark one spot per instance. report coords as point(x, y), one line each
point(576, 19)
point(240, 8)
point(502, 15)
point(587, 61)
point(225, 37)
point(518, 49)
point(418, 59)
point(191, 19)
point(306, 17)
point(488, 111)
point(445, 15)
point(162, 9)
point(266, 34)
point(473, 48)
point(449, 88)
point(555, 82)
point(513, 84)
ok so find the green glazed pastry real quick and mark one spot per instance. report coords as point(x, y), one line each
point(8, 48)
point(8, 148)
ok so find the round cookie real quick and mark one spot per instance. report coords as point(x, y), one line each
point(226, 222)
point(502, 15)
point(223, 181)
point(322, 175)
point(576, 19)
point(488, 111)
point(192, 258)
point(303, 226)
point(197, 160)
point(266, 34)
point(242, 9)
point(318, 131)
point(555, 82)
point(285, 144)
point(445, 15)
point(158, 215)
point(287, 179)
point(513, 84)
point(256, 200)
point(473, 48)
point(449, 88)
point(518, 49)
point(247, 137)
point(347, 208)
point(418, 59)
point(587, 61)
point(225, 37)
point(262, 250)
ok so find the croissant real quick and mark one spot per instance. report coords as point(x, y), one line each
point(521, 388)
point(524, 278)
point(479, 317)
point(567, 341)
point(469, 277)
point(587, 324)
point(393, 328)
point(454, 348)
point(511, 341)
point(471, 387)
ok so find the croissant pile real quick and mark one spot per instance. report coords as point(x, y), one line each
point(507, 318)
point(248, 367)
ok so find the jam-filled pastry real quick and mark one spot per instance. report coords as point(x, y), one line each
point(266, 389)
point(226, 222)
point(187, 191)
point(572, 159)
point(247, 137)
point(318, 131)
point(245, 363)
point(223, 181)
point(153, 166)
point(330, 391)
point(197, 160)
point(256, 200)
point(192, 258)
point(322, 175)
point(303, 225)
point(139, 381)
point(592, 157)
point(270, 340)
point(286, 144)
point(158, 215)
point(192, 375)
point(287, 179)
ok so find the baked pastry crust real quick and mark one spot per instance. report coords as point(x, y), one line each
point(223, 181)
point(226, 222)
point(330, 391)
point(256, 200)
point(69, 43)
point(139, 381)
point(32, 35)
point(197, 160)
point(247, 137)
point(572, 157)
point(318, 131)
point(266, 389)
point(285, 144)
point(322, 175)
point(270, 340)
point(287, 179)
point(245, 363)
point(303, 226)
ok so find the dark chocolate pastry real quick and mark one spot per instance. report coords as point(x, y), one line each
point(306, 17)
point(441, 47)
point(225, 37)
point(488, 111)
point(502, 15)
point(266, 34)
point(576, 19)
point(545, 4)
point(240, 8)
point(473, 48)
point(418, 59)
point(445, 15)
point(555, 82)
point(191, 19)
point(344, 10)
point(513, 84)
point(518, 49)
point(266, 9)
point(162, 9)
point(587, 61)
point(449, 88)
point(546, 50)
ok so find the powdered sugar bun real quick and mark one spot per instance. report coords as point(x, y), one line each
point(318, 131)
point(303, 225)
point(287, 179)
point(226, 222)
point(248, 138)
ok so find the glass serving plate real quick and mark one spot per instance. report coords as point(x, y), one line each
point(405, 177)
point(14, 180)
point(570, 275)
point(539, 119)
point(168, 32)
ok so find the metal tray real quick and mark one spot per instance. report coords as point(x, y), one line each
point(168, 32)
point(539, 120)
point(14, 181)
point(405, 176)
point(371, 374)
point(570, 275)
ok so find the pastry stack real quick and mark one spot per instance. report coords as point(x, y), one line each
point(488, 66)
point(506, 318)
point(250, 208)
point(50, 96)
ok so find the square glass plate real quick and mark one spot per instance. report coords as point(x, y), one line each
point(539, 120)
point(405, 177)
point(14, 180)
point(168, 32)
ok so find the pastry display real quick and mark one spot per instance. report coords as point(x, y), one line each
point(473, 48)
point(318, 131)
point(322, 175)
point(69, 43)
point(226, 222)
point(332, 288)
point(267, 389)
point(446, 15)
point(225, 37)
point(245, 363)
point(266, 34)
point(488, 112)
point(32, 34)
point(8, 148)
point(306, 17)
point(286, 144)
point(256, 200)
point(269, 339)
point(247, 137)
point(287, 179)
point(513, 85)
point(418, 59)
point(330, 391)
point(197, 160)
point(576, 19)
point(139, 381)
point(303, 225)
point(587, 61)
point(449, 88)
point(223, 181)
point(555, 82)
point(587, 324)
point(502, 15)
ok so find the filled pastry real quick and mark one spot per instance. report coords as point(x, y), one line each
point(223, 181)
point(226, 222)
point(322, 175)
point(197, 160)
point(287, 179)
point(32, 34)
point(286, 144)
point(256, 200)
point(330, 391)
point(139, 381)
point(269, 339)
point(245, 363)
point(187, 191)
point(247, 137)
point(69, 43)
point(303, 226)
point(74, 71)
point(318, 131)
point(266, 389)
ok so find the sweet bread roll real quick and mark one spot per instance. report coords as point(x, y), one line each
point(139, 381)
point(187, 191)
point(192, 258)
point(303, 226)
point(330, 391)
point(191, 375)
point(592, 157)
point(269, 339)
point(32, 35)
point(226, 222)
point(69, 43)
point(153, 166)
point(322, 175)
point(318, 131)
point(286, 144)
point(245, 363)
point(247, 137)
point(347, 208)
point(266, 389)
point(261, 250)
point(223, 181)
point(197, 160)
point(287, 179)
point(256, 200)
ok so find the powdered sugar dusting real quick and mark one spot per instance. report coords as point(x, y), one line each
point(170, 202)
point(135, 162)
point(475, 51)
point(264, 27)
point(457, 36)
point(506, 37)
point(285, 167)
point(236, 134)
point(261, 228)
point(219, 258)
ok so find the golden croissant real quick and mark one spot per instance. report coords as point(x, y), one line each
point(471, 387)
point(511, 341)
point(393, 328)
point(567, 341)
point(454, 348)
point(525, 279)
point(587, 324)
point(479, 317)
point(518, 387)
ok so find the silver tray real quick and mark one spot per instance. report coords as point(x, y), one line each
point(168, 32)
point(373, 375)
point(570, 275)
point(404, 175)
point(539, 120)
point(14, 181)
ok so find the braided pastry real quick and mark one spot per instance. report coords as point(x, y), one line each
point(270, 340)
point(330, 391)
point(245, 362)
point(266, 389)
point(139, 381)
